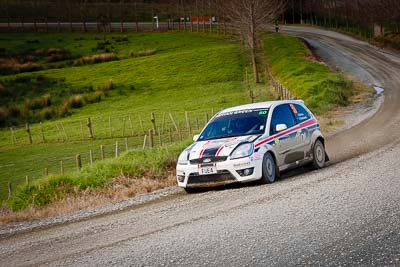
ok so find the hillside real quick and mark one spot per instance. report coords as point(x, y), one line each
point(187, 72)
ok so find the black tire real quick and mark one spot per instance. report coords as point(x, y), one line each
point(268, 169)
point(319, 155)
point(190, 190)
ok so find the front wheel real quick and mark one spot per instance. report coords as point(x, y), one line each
point(190, 190)
point(318, 155)
point(268, 169)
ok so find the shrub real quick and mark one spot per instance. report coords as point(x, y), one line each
point(102, 45)
point(143, 53)
point(37, 103)
point(15, 111)
point(93, 98)
point(123, 39)
point(40, 78)
point(46, 114)
point(75, 101)
point(63, 110)
point(107, 87)
point(391, 40)
point(4, 114)
point(54, 54)
point(13, 66)
point(22, 79)
point(105, 57)
point(30, 66)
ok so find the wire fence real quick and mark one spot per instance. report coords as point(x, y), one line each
point(131, 125)
point(105, 137)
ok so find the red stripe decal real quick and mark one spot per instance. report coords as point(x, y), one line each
point(219, 150)
point(289, 131)
point(203, 148)
point(201, 153)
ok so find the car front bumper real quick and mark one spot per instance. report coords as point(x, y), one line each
point(229, 171)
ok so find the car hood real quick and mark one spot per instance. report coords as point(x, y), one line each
point(218, 147)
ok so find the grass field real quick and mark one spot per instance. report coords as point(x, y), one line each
point(293, 64)
point(189, 72)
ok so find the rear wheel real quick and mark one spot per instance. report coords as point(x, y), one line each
point(268, 169)
point(318, 155)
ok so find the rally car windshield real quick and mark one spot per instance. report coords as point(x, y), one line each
point(236, 123)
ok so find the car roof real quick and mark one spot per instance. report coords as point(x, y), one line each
point(261, 105)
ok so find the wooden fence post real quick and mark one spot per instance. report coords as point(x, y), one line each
point(126, 144)
point(78, 162)
point(153, 122)
point(144, 141)
point(102, 152)
point(28, 130)
point(89, 125)
point(173, 122)
point(151, 138)
point(61, 167)
point(46, 172)
point(42, 132)
point(27, 179)
point(116, 149)
point(90, 157)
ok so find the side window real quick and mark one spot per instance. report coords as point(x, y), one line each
point(281, 115)
point(300, 113)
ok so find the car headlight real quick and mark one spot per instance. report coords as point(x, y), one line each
point(242, 151)
point(183, 158)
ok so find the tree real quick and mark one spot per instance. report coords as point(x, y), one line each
point(249, 18)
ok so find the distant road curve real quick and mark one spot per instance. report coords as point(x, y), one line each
point(371, 65)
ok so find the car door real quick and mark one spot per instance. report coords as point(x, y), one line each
point(303, 134)
point(284, 141)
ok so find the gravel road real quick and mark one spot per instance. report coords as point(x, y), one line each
point(346, 214)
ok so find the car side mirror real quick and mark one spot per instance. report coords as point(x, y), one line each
point(195, 137)
point(280, 127)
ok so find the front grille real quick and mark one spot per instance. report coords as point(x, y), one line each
point(221, 176)
point(212, 160)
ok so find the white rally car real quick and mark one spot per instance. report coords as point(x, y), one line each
point(252, 142)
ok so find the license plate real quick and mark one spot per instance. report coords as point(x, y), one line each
point(207, 170)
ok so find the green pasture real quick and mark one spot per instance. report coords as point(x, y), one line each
point(190, 72)
point(291, 62)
